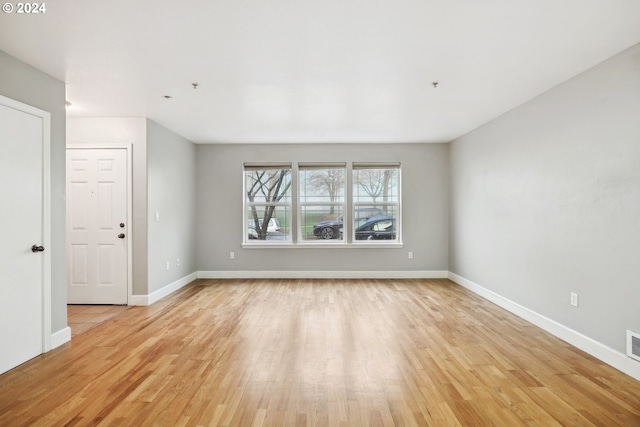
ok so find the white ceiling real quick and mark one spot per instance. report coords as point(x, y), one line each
point(316, 71)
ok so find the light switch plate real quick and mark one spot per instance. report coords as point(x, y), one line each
point(574, 299)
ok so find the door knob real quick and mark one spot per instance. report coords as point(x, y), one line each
point(121, 236)
point(36, 248)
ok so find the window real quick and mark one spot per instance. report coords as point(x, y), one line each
point(331, 203)
point(322, 201)
point(376, 201)
point(267, 202)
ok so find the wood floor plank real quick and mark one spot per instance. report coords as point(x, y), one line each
point(317, 352)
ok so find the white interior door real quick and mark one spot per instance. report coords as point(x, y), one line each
point(97, 229)
point(23, 272)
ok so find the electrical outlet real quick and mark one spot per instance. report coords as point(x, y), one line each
point(157, 216)
point(177, 262)
point(168, 265)
point(574, 299)
point(410, 255)
point(232, 255)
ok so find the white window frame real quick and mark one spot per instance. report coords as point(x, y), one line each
point(397, 205)
point(294, 206)
point(248, 204)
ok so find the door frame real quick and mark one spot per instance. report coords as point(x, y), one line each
point(129, 198)
point(45, 116)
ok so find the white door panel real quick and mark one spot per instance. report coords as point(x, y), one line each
point(22, 271)
point(96, 208)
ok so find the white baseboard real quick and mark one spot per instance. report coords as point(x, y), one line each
point(162, 292)
point(598, 350)
point(243, 274)
point(61, 337)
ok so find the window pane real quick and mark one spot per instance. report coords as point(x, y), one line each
point(362, 213)
point(322, 223)
point(376, 185)
point(268, 185)
point(322, 186)
point(375, 222)
point(268, 222)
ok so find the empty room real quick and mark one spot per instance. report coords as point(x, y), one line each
point(342, 213)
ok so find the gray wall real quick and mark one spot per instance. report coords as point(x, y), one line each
point(171, 165)
point(545, 201)
point(26, 84)
point(424, 209)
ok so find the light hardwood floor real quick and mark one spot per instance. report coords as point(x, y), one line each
point(81, 318)
point(317, 353)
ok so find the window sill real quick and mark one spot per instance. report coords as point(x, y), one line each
point(289, 245)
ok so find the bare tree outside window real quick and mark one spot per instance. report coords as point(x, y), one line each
point(374, 183)
point(329, 182)
point(266, 190)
